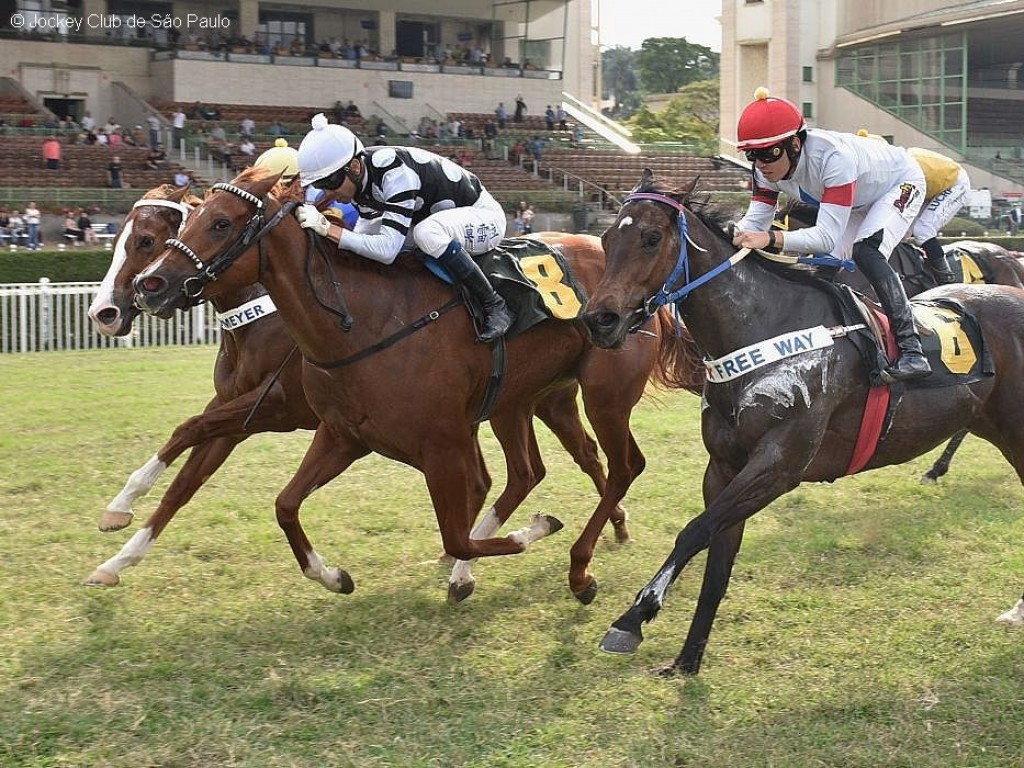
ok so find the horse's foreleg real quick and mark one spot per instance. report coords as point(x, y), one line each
point(204, 460)
point(560, 412)
point(326, 458)
point(941, 466)
point(1015, 616)
point(759, 483)
point(217, 420)
point(721, 556)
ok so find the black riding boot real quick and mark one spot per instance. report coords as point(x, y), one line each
point(496, 317)
point(937, 261)
point(912, 363)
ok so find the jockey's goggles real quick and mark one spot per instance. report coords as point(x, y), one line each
point(333, 181)
point(766, 154)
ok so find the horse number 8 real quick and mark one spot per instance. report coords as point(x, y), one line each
point(544, 272)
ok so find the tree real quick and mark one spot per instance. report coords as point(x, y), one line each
point(618, 78)
point(668, 63)
point(691, 117)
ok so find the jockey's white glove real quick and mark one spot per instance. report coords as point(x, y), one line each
point(310, 218)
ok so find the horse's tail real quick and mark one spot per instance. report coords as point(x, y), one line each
point(679, 364)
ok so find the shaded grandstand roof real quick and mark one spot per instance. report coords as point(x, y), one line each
point(989, 17)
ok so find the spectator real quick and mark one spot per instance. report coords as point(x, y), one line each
point(5, 225)
point(276, 129)
point(71, 228)
point(537, 148)
point(247, 148)
point(52, 153)
point(577, 137)
point(501, 114)
point(517, 152)
point(247, 127)
point(154, 130)
point(517, 116)
point(1016, 219)
point(561, 117)
point(182, 178)
point(115, 176)
point(84, 223)
point(517, 224)
point(157, 158)
point(32, 220)
point(88, 122)
point(352, 111)
point(178, 122)
point(102, 138)
point(16, 224)
point(527, 216)
point(223, 153)
point(111, 125)
point(549, 118)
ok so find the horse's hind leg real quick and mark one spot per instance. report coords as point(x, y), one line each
point(941, 465)
point(204, 460)
point(560, 412)
point(326, 458)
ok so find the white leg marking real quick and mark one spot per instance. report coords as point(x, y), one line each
point(484, 529)
point(318, 571)
point(1015, 616)
point(139, 484)
point(131, 553)
point(535, 531)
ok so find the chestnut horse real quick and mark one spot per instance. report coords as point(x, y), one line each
point(793, 418)
point(978, 263)
point(416, 401)
point(258, 385)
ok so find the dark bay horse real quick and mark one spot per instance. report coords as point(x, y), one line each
point(794, 419)
point(977, 262)
point(414, 401)
point(258, 385)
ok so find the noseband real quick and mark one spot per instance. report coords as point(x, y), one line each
point(680, 274)
point(254, 231)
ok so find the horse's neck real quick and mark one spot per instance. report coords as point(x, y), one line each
point(234, 299)
point(746, 304)
point(379, 299)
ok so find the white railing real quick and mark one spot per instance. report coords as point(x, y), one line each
point(37, 317)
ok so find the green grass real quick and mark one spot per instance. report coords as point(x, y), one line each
point(858, 630)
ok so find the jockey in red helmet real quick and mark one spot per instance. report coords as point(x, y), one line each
point(868, 194)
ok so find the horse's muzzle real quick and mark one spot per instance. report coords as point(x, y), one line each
point(607, 328)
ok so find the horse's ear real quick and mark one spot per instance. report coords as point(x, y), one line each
point(292, 192)
point(259, 186)
point(178, 194)
point(690, 189)
point(647, 177)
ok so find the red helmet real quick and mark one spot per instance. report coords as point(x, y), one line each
point(766, 121)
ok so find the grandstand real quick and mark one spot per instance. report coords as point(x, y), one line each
point(280, 68)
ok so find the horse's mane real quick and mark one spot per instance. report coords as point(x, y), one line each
point(165, 191)
point(714, 216)
point(805, 213)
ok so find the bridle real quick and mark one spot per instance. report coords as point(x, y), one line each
point(256, 228)
point(679, 284)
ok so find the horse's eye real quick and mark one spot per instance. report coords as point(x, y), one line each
point(146, 241)
point(221, 224)
point(650, 238)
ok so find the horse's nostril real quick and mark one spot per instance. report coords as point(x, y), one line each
point(107, 316)
point(148, 284)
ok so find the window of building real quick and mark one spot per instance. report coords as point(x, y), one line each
point(807, 109)
point(808, 74)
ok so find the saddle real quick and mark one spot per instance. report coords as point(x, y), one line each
point(533, 277)
point(951, 339)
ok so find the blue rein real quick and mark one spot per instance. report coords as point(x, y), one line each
point(681, 272)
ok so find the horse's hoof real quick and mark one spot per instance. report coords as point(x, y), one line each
point(345, 584)
point(621, 642)
point(459, 592)
point(553, 523)
point(101, 578)
point(115, 521)
point(1013, 617)
point(588, 593)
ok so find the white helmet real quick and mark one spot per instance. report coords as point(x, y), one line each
point(325, 149)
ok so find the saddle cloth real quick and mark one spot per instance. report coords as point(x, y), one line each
point(533, 278)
